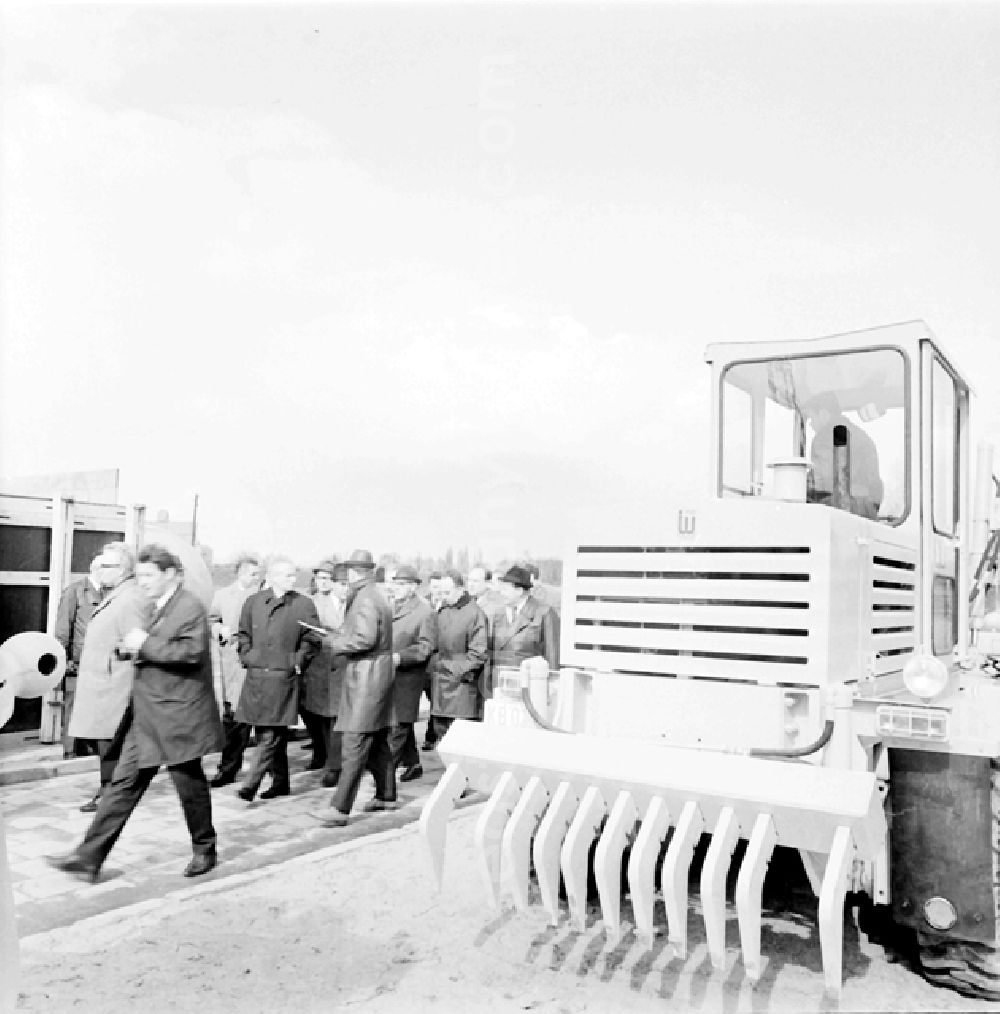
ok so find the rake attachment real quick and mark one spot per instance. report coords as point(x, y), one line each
point(552, 796)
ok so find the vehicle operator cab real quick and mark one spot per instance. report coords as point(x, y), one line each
point(878, 422)
point(843, 413)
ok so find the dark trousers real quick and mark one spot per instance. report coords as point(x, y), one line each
point(442, 725)
point(363, 751)
point(403, 744)
point(122, 796)
point(431, 734)
point(69, 743)
point(333, 742)
point(109, 751)
point(317, 735)
point(237, 738)
point(270, 754)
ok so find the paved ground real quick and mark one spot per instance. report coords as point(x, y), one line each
point(43, 817)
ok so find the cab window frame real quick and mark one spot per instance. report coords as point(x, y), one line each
point(908, 435)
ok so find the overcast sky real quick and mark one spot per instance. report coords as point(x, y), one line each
point(405, 276)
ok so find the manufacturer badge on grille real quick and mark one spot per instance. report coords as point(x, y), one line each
point(685, 522)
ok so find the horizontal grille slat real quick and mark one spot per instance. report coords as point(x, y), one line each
point(692, 575)
point(720, 655)
point(695, 627)
point(686, 590)
point(686, 601)
point(730, 550)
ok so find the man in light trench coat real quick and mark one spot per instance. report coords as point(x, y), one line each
point(104, 680)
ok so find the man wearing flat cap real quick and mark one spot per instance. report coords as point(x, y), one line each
point(365, 715)
point(414, 636)
point(524, 627)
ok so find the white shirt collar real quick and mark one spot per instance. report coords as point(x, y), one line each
point(165, 597)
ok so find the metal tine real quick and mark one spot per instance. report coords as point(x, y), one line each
point(548, 843)
point(713, 883)
point(435, 814)
point(674, 873)
point(489, 830)
point(642, 866)
point(749, 885)
point(576, 851)
point(608, 860)
point(831, 908)
point(515, 848)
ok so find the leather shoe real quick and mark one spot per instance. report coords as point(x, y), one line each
point(377, 805)
point(91, 805)
point(246, 792)
point(201, 864)
point(330, 816)
point(219, 780)
point(273, 791)
point(75, 864)
point(429, 745)
point(413, 772)
point(316, 763)
point(331, 779)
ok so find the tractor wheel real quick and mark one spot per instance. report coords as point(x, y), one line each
point(972, 969)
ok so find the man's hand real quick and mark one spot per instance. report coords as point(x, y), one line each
point(134, 639)
point(395, 660)
point(222, 633)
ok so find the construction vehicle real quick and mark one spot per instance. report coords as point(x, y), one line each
point(807, 659)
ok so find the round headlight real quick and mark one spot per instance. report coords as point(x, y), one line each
point(940, 913)
point(925, 676)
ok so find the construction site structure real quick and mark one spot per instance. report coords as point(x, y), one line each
point(806, 659)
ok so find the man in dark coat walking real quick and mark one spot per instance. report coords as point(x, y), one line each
point(457, 666)
point(365, 713)
point(276, 644)
point(172, 719)
point(414, 635)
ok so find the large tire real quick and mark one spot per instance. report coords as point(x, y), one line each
point(971, 969)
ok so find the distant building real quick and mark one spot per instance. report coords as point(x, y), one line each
point(96, 486)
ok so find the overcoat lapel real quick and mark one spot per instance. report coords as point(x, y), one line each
point(523, 618)
point(158, 614)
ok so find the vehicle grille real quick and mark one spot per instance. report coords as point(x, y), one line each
point(728, 612)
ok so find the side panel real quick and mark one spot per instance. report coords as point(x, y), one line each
point(941, 846)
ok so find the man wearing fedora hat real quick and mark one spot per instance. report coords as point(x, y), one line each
point(524, 627)
point(365, 713)
point(414, 635)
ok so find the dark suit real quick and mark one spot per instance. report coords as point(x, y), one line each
point(172, 719)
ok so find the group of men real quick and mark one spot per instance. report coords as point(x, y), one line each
point(352, 658)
